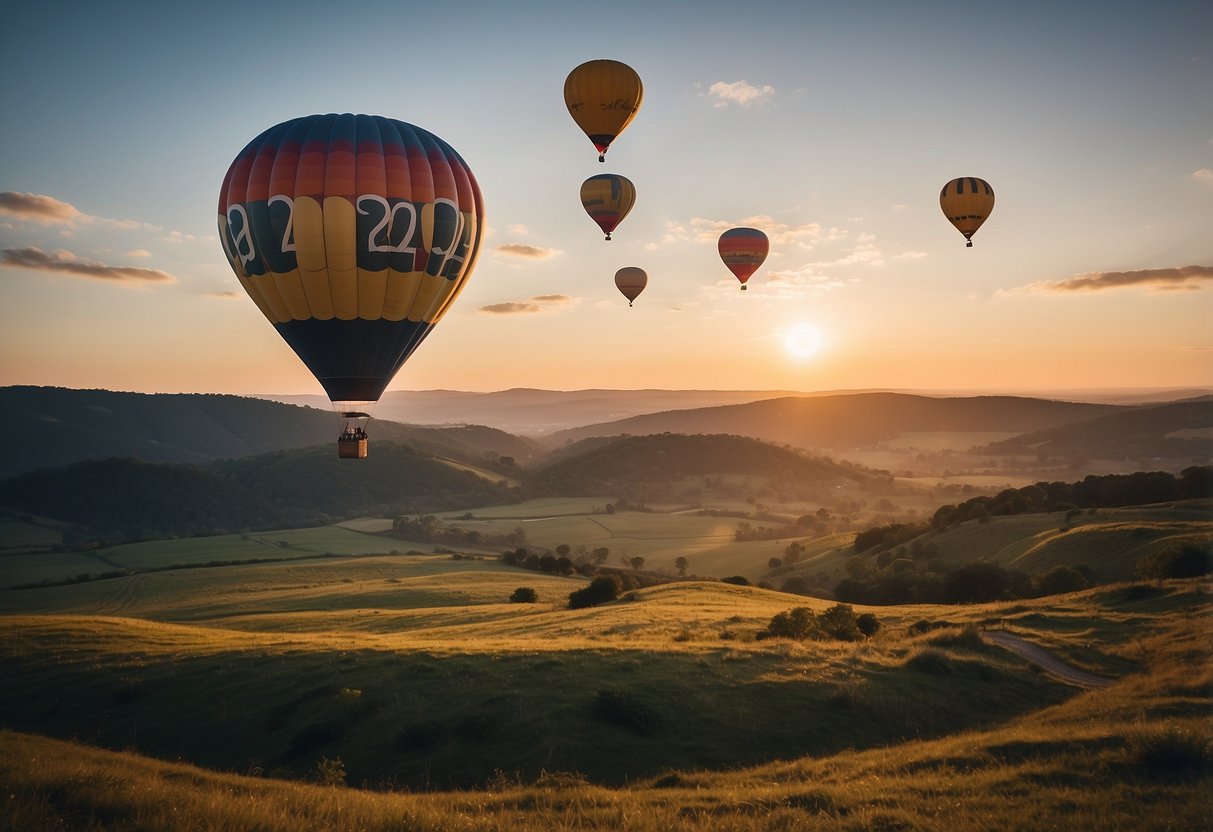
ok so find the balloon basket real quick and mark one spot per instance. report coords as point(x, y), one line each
point(351, 448)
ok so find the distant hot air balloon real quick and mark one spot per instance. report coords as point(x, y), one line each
point(607, 198)
point(603, 97)
point(353, 234)
point(967, 203)
point(631, 281)
point(743, 250)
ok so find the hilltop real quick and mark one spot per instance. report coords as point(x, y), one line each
point(850, 420)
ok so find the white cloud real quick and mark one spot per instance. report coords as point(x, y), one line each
point(1204, 176)
point(526, 251)
point(740, 92)
point(1182, 278)
point(65, 262)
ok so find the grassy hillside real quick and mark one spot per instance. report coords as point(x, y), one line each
point(48, 427)
point(1180, 430)
point(1105, 543)
point(115, 500)
point(660, 711)
point(845, 421)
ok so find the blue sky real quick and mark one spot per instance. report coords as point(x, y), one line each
point(830, 125)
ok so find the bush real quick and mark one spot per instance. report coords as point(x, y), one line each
point(1172, 752)
point(737, 580)
point(839, 621)
point(797, 623)
point(524, 595)
point(867, 624)
point(603, 589)
point(932, 662)
point(1183, 560)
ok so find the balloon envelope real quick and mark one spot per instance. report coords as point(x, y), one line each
point(353, 234)
point(631, 281)
point(603, 97)
point(743, 250)
point(967, 202)
point(607, 198)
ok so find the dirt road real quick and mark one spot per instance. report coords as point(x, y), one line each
point(1050, 663)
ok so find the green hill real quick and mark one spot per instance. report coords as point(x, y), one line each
point(126, 499)
point(48, 427)
point(595, 466)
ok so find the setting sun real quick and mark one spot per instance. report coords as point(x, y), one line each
point(802, 340)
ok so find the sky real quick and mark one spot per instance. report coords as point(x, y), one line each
point(831, 126)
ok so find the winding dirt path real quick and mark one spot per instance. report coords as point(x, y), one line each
point(1051, 664)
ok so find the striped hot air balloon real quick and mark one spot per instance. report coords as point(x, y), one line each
point(607, 198)
point(353, 234)
point(743, 250)
point(967, 203)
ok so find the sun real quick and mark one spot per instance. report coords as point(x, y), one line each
point(802, 340)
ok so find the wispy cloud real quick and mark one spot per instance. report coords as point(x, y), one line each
point(708, 231)
point(48, 210)
point(38, 208)
point(1180, 278)
point(138, 252)
point(527, 252)
point(228, 295)
point(740, 92)
point(64, 262)
point(1204, 176)
point(539, 303)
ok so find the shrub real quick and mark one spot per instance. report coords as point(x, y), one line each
point(932, 662)
point(1172, 752)
point(1183, 560)
point(797, 623)
point(601, 590)
point(868, 624)
point(524, 595)
point(839, 621)
point(330, 772)
point(737, 580)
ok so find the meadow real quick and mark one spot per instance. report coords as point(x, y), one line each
point(411, 678)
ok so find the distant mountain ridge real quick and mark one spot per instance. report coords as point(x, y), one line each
point(48, 427)
point(851, 420)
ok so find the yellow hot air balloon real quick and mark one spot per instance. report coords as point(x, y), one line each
point(603, 97)
point(607, 198)
point(630, 281)
point(967, 202)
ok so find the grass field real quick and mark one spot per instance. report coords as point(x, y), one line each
point(659, 712)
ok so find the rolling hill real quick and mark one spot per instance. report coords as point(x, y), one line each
point(128, 499)
point(852, 420)
point(46, 427)
point(1179, 430)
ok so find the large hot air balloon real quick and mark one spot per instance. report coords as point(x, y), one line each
point(603, 97)
point(631, 281)
point(967, 202)
point(353, 234)
point(607, 198)
point(743, 250)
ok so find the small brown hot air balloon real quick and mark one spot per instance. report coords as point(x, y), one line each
point(967, 202)
point(631, 280)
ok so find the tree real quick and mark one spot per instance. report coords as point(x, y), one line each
point(839, 621)
point(977, 582)
point(867, 624)
point(797, 623)
point(562, 551)
point(636, 562)
point(602, 589)
point(524, 595)
point(774, 563)
point(601, 554)
point(681, 564)
point(1059, 579)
